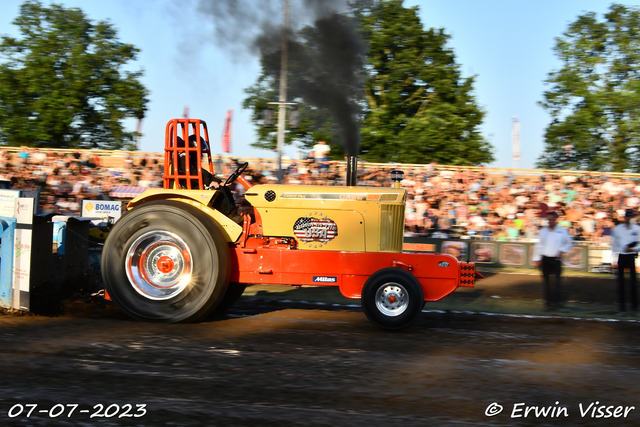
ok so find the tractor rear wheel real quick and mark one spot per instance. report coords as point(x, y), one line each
point(392, 298)
point(166, 261)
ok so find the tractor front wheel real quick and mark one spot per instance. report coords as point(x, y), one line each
point(392, 298)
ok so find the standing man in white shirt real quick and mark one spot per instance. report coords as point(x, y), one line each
point(321, 156)
point(626, 237)
point(553, 243)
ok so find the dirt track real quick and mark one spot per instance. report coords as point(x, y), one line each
point(277, 363)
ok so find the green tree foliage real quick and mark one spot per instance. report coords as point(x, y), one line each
point(62, 84)
point(416, 107)
point(594, 99)
point(420, 109)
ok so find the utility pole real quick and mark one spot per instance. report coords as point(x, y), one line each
point(282, 106)
point(282, 102)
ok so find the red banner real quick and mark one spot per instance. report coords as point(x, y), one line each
point(226, 135)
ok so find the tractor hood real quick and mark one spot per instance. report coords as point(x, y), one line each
point(363, 219)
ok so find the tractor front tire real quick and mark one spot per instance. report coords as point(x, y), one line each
point(392, 298)
point(166, 261)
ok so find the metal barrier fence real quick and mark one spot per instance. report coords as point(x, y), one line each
point(583, 256)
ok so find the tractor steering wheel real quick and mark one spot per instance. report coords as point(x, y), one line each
point(236, 173)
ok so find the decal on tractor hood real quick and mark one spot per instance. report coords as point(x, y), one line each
point(323, 196)
point(308, 229)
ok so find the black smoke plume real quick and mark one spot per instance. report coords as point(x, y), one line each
point(325, 51)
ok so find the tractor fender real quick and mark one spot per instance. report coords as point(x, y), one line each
point(197, 198)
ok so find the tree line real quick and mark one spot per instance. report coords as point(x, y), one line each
point(66, 82)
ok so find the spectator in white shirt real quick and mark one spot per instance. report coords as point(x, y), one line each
point(554, 242)
point(626, 240)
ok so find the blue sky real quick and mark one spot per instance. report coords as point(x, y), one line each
point(506, 44)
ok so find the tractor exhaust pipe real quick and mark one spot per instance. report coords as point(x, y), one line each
point(352, 171)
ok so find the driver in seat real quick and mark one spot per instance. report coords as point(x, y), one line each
point(223, 203)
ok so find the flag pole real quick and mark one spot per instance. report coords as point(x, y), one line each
point(515, 141)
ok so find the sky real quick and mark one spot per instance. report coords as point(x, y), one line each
point(507, 45)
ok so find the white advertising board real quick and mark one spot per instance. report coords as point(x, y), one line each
point(22, 246)
point(101, 209)
point(8, 202)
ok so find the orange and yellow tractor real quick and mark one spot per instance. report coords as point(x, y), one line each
point(181, 253)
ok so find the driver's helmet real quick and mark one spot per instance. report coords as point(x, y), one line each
point(204, 147)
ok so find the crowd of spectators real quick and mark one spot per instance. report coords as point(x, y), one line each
point(66, 179)
point(441, 201)
point(475, 204)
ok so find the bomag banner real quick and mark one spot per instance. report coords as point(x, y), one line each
point(101, 209)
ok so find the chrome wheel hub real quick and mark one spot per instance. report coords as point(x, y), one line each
point(159, 265)
point(392, 299)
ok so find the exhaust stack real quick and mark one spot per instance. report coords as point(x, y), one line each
point(352, 171)
point(397, 176)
